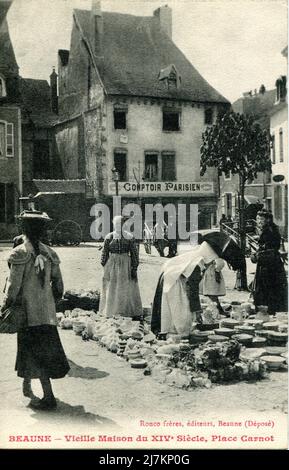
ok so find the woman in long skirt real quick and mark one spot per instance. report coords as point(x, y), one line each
point(176, 303)
point(34, 284)
point(270, 286)
point(120, 259)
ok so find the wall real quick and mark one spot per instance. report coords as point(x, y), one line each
point(70, 149)
point(280, 120)
point(144, 133)
point(9, 167)
point(76, 96)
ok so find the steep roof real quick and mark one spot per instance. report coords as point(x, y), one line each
point(7, 56)
point(135, 50)
point(36, 101)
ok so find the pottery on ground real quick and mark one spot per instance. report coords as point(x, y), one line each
point(138, 364)
point(224, 331)
point(271, 325)
point(252, 353)
point(249, 330)
point(275, 350)
point(243, 338)
point(256, 323)
point(273, 362)
point(217, 338)
point(263, 333)
point(259, 342)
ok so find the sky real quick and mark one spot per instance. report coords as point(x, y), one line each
point(235, 45)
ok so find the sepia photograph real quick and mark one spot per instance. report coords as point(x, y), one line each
point(144, 226)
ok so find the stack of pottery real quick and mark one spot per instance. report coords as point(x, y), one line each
point(224, 331)
point(244, 339)
point(247, 329)
point(198, 336)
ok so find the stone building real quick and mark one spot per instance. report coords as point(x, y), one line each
point(279, 153)
point(26, 137)
point(130, 101)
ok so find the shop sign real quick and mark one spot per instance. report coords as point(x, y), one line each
point(163, 188)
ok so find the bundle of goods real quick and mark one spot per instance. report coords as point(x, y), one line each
point(86, 300)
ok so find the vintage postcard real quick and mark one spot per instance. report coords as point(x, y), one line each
point(143, 224)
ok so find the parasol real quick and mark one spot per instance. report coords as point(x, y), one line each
point(224, 245)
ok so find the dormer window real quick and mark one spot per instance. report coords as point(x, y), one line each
point(2, 87)
point(171, 77)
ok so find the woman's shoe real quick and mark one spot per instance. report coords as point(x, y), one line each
point(44, 404)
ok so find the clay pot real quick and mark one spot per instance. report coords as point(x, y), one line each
point(259, 342)
point(224, 331)
point(217, 338)
point(274, 325)
point(247, 329)
point(273, 362)
point(243, 338)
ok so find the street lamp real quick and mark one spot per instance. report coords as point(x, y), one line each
point(115, 177)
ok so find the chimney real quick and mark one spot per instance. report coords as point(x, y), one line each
point(97, 32)
point(164, 16)
point(53, 91)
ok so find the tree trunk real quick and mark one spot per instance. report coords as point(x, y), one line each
point(241, 281)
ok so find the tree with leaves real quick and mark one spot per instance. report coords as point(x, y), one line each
point(237, 144)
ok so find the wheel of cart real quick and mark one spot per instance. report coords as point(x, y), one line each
point(67, 233)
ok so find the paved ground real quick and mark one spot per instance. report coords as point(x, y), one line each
point(102, 390)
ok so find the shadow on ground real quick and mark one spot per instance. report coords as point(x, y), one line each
point(90, 373)
point(69, 418)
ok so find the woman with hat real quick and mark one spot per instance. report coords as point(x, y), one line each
point(270, 284)
point(35, 283)
point(120, 259)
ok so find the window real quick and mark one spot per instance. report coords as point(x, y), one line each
point(2, 87)
point(227, 175)
point(209, 116)
point(120, 164)
point(41, 164)
point(6, 139)
point(229, 204)
point(171, 121)
point(168, 166)
point(9, 140)
point(278, 202)
point(281, 145)
point(119, 118)
point(151, 167)
point(273, 148)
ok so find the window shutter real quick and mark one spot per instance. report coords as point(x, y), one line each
point(233, 205)
point(223, 201)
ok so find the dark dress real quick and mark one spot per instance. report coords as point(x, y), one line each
point(192, 292)
point(270, 283)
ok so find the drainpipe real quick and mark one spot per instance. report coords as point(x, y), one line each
point(20, 175)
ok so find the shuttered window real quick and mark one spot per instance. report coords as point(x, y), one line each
point(168, 166)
